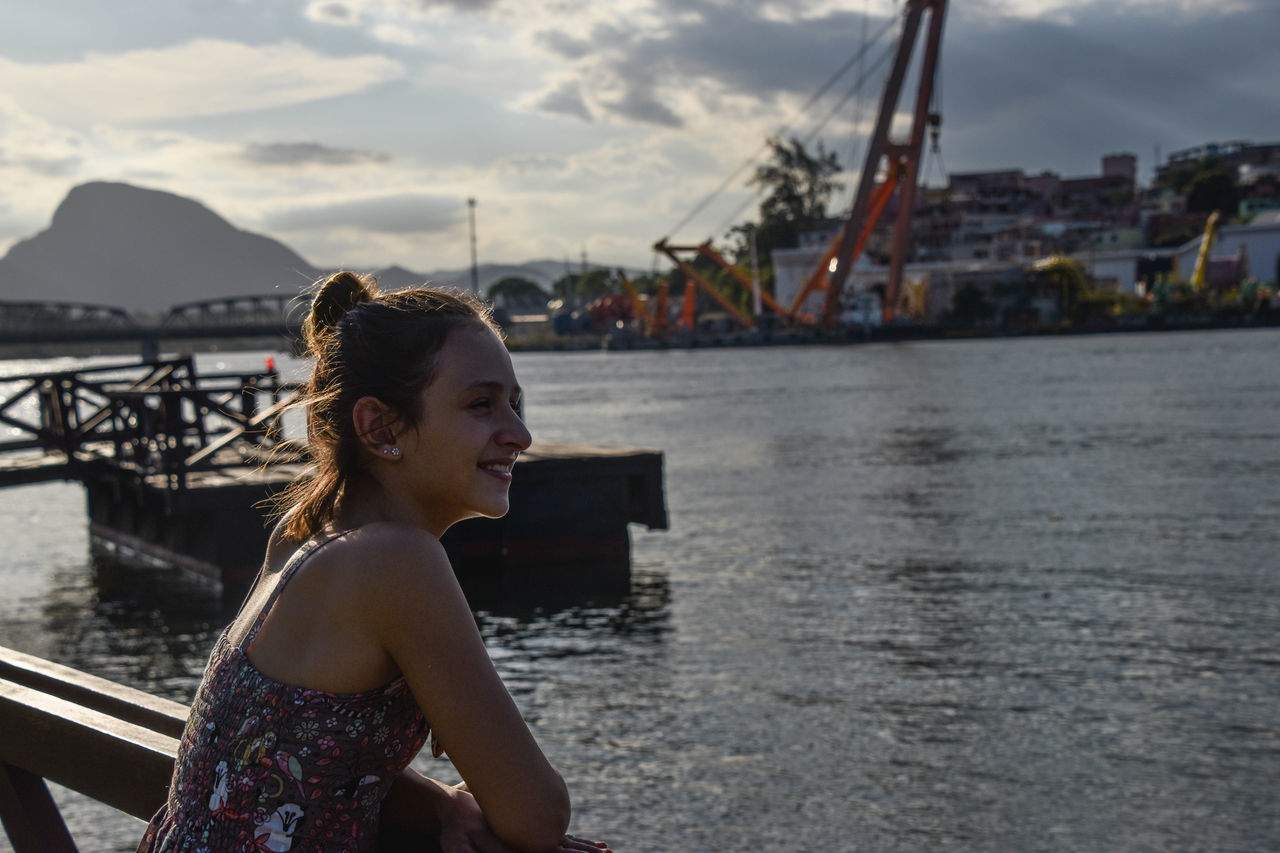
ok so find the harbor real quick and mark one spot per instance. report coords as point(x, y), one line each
point(996, 594)
point(896, 490)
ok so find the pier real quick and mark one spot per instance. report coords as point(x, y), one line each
point(178, 470)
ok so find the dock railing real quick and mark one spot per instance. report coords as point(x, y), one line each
point(109, 742)
point(112, 743)
point(151, 418)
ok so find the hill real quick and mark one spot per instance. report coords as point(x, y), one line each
point(146, 250)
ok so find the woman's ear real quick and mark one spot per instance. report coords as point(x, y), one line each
point(375, 425)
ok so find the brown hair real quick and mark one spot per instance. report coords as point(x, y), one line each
point(366, 343)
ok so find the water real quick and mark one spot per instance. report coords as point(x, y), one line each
point(983, 595)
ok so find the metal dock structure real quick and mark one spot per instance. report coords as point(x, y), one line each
point(178, 468)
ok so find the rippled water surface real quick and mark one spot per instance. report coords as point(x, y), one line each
point(982, 595)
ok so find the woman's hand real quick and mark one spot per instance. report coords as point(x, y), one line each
point(464, 831)
point(463, 828)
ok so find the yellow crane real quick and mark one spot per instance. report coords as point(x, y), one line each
point(1202, 259)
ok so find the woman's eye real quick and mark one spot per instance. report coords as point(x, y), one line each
point(482, 403)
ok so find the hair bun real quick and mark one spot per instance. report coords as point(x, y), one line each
point(335, 296)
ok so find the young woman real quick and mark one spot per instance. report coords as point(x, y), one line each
point(355, 643)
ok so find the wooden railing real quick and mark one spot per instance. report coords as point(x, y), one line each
point(107, 741)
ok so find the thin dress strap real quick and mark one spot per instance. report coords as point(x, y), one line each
point(305, 550)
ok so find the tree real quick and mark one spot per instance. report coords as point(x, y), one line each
point(799, 185)
point(1212, 189)
point(1208, 184)
point(584, 288)
point(514, 290)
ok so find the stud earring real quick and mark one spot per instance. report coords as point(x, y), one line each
point(395, 451)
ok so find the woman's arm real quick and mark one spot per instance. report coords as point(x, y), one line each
point(432, 809)
point(418, 804)
point(421, 617)
point(427, 809)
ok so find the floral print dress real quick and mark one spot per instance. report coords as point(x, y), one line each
point(265, 766)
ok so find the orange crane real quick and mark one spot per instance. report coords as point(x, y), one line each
point(652, 313)
point(694, 278)
point(816, 281)
point(708, 251)
point(637, 304)
point(902, 159)
point(660, 315)
point(819, 279)
point(689, 305)
point(901, 165)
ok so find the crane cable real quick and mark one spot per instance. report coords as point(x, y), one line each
point(855, 150)
point(782, 130)
point(849, 95)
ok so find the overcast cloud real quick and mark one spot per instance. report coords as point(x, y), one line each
point(389, 214)
point(358, 128)
point(307, 153)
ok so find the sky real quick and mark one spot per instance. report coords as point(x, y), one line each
point(356, 130)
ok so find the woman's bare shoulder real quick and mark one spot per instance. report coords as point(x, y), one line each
point(397, 553)
point(397, 577)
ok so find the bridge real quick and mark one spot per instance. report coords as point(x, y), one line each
point(253, 316)
point(245, 314)
point(29, 320)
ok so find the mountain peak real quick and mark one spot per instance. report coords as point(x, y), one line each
point(145, 250)
point(98, 203)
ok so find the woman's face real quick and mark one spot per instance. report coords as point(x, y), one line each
point(458, 460)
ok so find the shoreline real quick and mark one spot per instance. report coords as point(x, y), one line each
point(703, 340)
point(885, 334)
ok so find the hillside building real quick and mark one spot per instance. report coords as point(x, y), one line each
point(1245, 158)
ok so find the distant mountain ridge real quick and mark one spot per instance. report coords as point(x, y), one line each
point(147, 250)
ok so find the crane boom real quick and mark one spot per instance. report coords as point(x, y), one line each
point(1202, 258)
point(693, 275)
point(905, 156)
point(819, 279)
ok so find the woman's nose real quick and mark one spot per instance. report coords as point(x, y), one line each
point(516, 434)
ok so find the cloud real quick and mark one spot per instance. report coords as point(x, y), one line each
point(644, 65)
point(458, 5)
point(1116, 77)
point(38, 161)
point(307, 153)
point(564, 44)
point(49, 167)
point(639, 102)
point(405, 213)
point(351, 13)
point(333, 12)
point(1066, 11)
point(565, 99)
point(198, 78)
point(394, 34)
